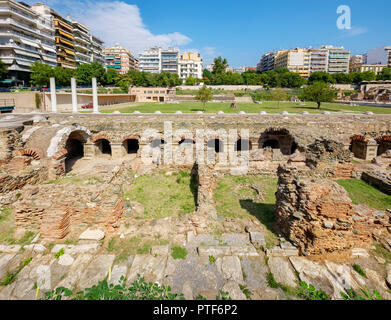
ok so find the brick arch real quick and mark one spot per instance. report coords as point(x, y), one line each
point(30, 152)
point(130, 138)
point(359, 138)
point(100, 137)
point(60, 154)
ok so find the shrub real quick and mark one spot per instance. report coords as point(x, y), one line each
point(59, 253)
point(352, 295)
point(309, 292)
point(271, 282)
point(212, 259)
point(138, 290)
point(179, 253)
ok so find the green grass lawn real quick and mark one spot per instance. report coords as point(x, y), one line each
point(235, 202)
point(164, 195)
point(362, 193)
point(212, 107)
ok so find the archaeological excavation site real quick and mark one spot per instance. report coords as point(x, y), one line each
point(87, 198)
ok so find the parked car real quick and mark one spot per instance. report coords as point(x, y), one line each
point(5, 89)
point(87, 106)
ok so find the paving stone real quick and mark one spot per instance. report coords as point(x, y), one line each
point(36, 248)
point(22, 288)
point(282, 271)
point(254, 272)
point(66, 260)
point(234, 291)
point(341, 279)
point(187, 291)
point(43, 274)
point(280, 252)
point(78, 249)
point(6, 292)
point(10, 249)
point(160, 250)
point(235, 239)
point(203, 277)
point(215, 251)
point(245, 251)
point(91, 234)
point(117, 272)
point(313, 273)
point(170, 267)
point(257, 239)
point(75, 271)
point(4, 259)
point(231, 269)
point(96, 271)
point(150, 267)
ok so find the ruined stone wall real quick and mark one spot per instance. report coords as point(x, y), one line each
point(32, 175)
point(319, 217)
point(381, 181)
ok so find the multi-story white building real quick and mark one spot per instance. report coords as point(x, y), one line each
point(318, 60)
point(26, 36)
point(150, 60)
point(190, 65)
point(170, 60)
point(338, 59)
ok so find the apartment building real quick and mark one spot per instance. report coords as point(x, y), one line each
point(26, 36)
point(338, 59)
point(318, 60)
point(65, 42)
point(97, 48)
point(376, 68)
point(190, 65)
point(295, 60)
point(82, 43)
point(267, 62)
point(380, 56)
point(120, 59)
point(150, 60)
point(170, 60)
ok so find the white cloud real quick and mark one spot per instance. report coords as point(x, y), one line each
point(117, 22)
point(354, 31)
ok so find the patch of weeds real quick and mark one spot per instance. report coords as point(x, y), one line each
point(145, 248)
point(10, 277)
point(244, 275)
point(271, 282)
point(245, 291)
point(111, 245)
point(359, 270)
point(179, 253)
point(50, 246)
point(212, 259)
point(121, 258)
point(382, 250)
point(267, 260)
point(59, 253)
point(368, 295)
point(71, 241)
point(199, 297)
point(223, 296)
point(27, 238)
point(309, 292)
point(138, 290)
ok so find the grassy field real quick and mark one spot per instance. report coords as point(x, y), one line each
point(212, 107)
point(164, 195)
point(363, 193)
point(235, 202)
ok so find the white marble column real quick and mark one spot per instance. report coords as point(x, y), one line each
point(74, 95)
point(95, 95)
point(53, 94)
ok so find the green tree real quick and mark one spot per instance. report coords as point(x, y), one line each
point(124, 81)
point(343, 78)
point(41, 74)
point(63, 76)
point(220, 66)
point(358, 77)
point(319, 92)
point(321, 76)
point(385, 74)
point(111, 76)
point(292, 80)
point(3, 69)
point(279, 95)
point(207, 76)
point(204, 95)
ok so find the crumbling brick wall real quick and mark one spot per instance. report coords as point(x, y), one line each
point(32, 175)
point(318, 215)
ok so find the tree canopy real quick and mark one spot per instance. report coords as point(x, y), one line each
point(204, 95)
point(319, 92)
point(3, 69)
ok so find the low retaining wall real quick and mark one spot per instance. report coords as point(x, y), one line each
point(378, 180)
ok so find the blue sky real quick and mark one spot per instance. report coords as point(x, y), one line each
point(240, 31)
